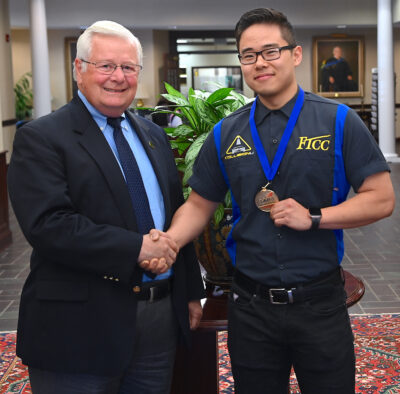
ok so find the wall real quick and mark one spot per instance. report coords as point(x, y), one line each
point(155, 44)
point(160, 50)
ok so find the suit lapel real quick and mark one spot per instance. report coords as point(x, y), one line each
point(154, 152)
point(94, 142)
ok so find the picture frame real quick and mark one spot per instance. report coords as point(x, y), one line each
point(207, 78)
point(70, 54)
point(338, 66)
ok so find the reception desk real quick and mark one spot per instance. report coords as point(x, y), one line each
point(5, 233)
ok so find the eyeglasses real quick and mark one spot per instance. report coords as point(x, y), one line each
point(108, 68)
point(267, 54)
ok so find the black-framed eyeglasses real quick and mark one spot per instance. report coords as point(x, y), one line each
point(108, 68)
point(267, 54)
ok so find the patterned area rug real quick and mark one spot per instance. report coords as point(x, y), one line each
point(13, 375)
point(377, 346)
point(377, 343)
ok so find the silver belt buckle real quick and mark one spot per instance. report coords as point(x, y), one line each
point(289, 293)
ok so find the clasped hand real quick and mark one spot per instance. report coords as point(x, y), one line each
point(158, 252)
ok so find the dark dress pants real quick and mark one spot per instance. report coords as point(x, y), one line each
point(150, 370)
point(266, 340)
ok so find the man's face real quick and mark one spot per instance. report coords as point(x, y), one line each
point(337, 52)
point(110, 94)
point(274, 81)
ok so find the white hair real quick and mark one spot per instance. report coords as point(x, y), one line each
point(107, 28)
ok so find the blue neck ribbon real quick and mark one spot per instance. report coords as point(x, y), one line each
point(270, 171)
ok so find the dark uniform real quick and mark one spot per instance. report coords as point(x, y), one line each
point(339, 69)
point(324, 156)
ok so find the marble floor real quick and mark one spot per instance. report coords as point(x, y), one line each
point(372, 254)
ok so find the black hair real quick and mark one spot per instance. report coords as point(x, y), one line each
point(268, 16)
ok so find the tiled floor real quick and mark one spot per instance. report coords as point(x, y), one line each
point(372, 253)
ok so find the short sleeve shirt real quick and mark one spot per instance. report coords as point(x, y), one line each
point(280, 256)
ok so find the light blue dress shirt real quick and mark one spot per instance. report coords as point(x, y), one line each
point(153, 191)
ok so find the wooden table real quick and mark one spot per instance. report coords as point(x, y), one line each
point(5, 233)
point(196, 370)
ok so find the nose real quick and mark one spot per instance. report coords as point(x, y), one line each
point(118, 74)
point(260, 62)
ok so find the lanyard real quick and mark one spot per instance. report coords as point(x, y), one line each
point(270, 171)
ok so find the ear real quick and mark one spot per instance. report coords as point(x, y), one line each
point(78, 70)
point(297, 55)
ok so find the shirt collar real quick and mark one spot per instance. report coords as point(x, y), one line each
point(262, 111)
point(98, 117)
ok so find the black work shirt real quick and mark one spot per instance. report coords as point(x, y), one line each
point(280, 256)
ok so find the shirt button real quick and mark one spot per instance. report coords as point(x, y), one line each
point(274, 141)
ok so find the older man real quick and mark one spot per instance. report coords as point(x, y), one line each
point(87, 183)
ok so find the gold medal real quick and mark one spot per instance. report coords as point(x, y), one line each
point(265, 199)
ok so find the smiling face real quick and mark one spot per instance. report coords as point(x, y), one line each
point(110, 94)
point(274, 81)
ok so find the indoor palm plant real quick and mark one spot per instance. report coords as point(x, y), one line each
point(199, 112)
point(24, 97)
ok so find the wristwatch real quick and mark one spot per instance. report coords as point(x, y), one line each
point(315, 215)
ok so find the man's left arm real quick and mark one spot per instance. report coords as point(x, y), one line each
point(374, 200)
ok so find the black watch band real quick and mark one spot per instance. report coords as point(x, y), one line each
point(315, 215)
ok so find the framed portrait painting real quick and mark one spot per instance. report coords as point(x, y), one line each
point(338, 66)
point(70, 54)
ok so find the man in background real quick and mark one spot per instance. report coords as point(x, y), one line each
point(336, 73)
point(87, 183)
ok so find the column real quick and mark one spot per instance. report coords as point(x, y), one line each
point(386, 114)
point(40, 59)
point(7, 101)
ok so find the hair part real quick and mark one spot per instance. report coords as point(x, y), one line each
point(106, 28)
point(267, 16)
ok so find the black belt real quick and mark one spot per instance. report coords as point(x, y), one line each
point(320, 287)
point(152, 291)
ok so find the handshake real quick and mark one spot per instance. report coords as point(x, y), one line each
point(158, 252)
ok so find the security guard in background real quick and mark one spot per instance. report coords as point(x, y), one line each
point(289, 159)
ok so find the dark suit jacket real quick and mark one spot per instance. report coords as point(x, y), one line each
point(77, 311)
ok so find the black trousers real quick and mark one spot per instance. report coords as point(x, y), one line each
point(151, 367)
point(265, 340)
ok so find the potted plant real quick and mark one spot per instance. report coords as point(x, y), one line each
point(24, 97)
point(199, 112)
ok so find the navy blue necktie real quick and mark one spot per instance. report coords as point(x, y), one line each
point(133, 178)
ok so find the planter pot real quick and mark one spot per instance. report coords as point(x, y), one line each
point(214, 258)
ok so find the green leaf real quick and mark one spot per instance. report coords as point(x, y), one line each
point(186, 192)
point(173, 92)
point(219, 94)
point(177, 100)
point(228, 200)
point(183, 130)
point(219, 214)
point(188, 173)
point(179, 145)
point(194, 149)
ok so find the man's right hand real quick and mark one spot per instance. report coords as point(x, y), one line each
point(158, 252)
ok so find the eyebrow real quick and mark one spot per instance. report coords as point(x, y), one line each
point(266, 46)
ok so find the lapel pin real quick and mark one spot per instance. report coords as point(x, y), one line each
point(151, 145)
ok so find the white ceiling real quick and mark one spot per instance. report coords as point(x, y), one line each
point(195, 14)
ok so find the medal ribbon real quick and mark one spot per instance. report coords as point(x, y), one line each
point(270, 171)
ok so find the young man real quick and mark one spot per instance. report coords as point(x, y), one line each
point(289, 186)
point(90, 319)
